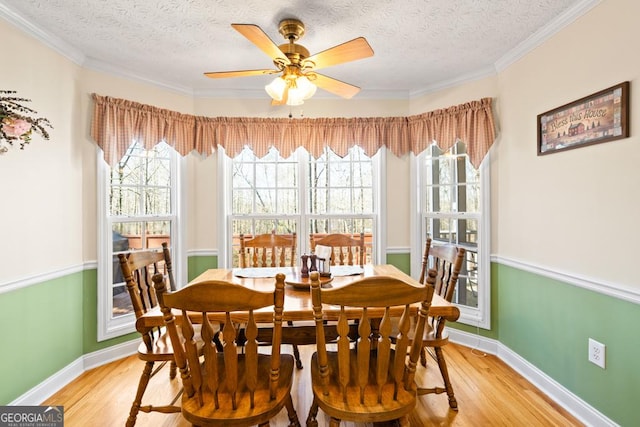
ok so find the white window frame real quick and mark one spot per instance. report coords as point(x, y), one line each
point(225, 215)
point(480, 316)
point(108, 326)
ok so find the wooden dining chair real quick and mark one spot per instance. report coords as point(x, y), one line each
point(138, 267)
point(445, 262)
point(371, 381)
point(346, 249)
point(268, 250)
point(228, 388)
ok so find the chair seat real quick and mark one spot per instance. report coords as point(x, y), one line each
point(429, 338)
point(352, 409)
point(264, 407)
point(161, 347)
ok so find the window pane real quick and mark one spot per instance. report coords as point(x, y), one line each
point(318, 176)
point(472, 174)
point(340, 200)
point(265, 175)
point(242, 175)
point(339, 175)
point(241, 226)
point(442, 229)
point(446, 203)
point(363, 174)
point(288, 201)
point(362, 200)
point(243, 201)
point(473, 195)
point(157, 201)
point(139, 187)
point(129, 170)
point(287, 175)
point(124, 201)
point(264, 186)
point(468, 232)
point(157, 232)
point(265, 201)
point(158, 172)
point(467, 288)
point(446, 170)
point(132, 231)
point(319, 200)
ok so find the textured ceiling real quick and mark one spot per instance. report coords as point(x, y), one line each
point(419, 45)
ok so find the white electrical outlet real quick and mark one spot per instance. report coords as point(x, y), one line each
point(597, 353)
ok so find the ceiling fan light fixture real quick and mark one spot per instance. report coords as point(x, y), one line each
point(305, 86)
point(276, 88)
point(299, 89)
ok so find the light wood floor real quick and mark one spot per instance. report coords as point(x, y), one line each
point(489, 393)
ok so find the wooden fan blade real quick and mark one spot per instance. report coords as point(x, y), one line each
point(239, 73)
point(258, 37)
point(349, 51)
point(336, 87)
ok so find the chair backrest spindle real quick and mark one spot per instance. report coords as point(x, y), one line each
point(268, 250)
point(346, 250)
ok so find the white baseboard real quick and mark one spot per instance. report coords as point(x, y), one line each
point(556, 391)
point(57, 381)
point(115, 352)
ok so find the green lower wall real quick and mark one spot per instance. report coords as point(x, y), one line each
point(548, 323)
point(198, 265)
point(90, 317)
point(545, 321)
point(402, 261)
point(41, 333)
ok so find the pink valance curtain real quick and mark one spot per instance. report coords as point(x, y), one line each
point(117, 122)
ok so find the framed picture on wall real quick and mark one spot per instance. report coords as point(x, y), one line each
point(600, 117)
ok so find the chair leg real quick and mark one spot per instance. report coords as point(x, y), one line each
point(403, 421)
point(423, 357)
point(291, 413)
point(172, 369)
point(296, 352)
point(313, 412)
point(453, 403)
point(142, 386)
point(296, 355)
point(334, 422)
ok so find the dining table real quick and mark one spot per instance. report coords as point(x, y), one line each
point(298, 309)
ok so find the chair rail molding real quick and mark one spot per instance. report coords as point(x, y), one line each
point(614, 290)
point(36, 279)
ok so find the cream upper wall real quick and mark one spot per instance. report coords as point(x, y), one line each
point(40, 187)
point(559, 211)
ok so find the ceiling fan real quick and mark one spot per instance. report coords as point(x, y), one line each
point(299, 79)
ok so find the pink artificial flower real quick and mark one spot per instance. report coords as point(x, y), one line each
point(15, 127)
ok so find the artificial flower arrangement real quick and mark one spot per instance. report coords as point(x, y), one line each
point(17, 122)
